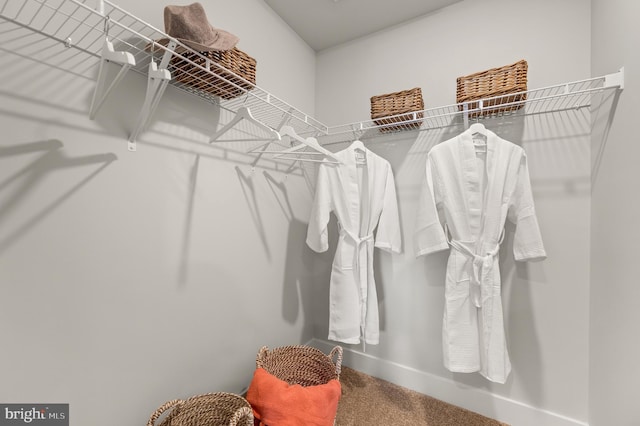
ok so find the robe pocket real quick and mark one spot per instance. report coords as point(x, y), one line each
point(458, 267)
point(458, 304)
point(344, 255)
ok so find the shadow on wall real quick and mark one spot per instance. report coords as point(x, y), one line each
point(603, 111)
point(25, 179)
point(249, 191)
point(48, 74)
point(523, 340)
point(188, 223)
point(297, 285)
point(558, 152)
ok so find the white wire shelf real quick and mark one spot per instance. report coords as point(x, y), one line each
point(562, 97)
point(81, 26)
point(70, 35)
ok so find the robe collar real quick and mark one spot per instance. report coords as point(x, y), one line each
point(472, 176)
point(349, 174)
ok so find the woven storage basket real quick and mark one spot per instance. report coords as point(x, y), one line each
point(301, 365)
point(212, 409)
point(295, 385)
point(237, 75)
point(394, 108)
point(501, 81)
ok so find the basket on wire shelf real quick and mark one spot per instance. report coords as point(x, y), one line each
point(403, 107)
point(211, 409)
point(504, 86)
point(235, 76)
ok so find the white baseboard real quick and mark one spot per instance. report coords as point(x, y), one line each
point(478, 400)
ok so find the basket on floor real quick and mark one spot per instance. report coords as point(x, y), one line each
point(508, 84)
point(212, 409)
point(235, 76)
point(296, 385)
point(301, 365)
point(404, 106)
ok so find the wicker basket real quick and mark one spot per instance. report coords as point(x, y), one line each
point(397, 107)
point(507, 80)
point(237, 75)
point(295, 385)
point(212, 409)
point(301, 365)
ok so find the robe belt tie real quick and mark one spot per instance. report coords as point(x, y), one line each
point(361, 242)
point(482, 268)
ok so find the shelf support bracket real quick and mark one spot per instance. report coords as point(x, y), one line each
point(465, 115)
point(615, 80)
point(125, 59)
point(158, 78)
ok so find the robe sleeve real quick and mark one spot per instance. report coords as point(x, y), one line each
point(429, 236)
point(527, 241)
point(317, 232)
point(388, 235)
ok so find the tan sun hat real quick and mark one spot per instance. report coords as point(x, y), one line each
point(189, 25)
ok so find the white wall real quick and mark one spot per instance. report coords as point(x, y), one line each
point(546, 304)
point(431, 51)
point(615, 347)
point(129, 279)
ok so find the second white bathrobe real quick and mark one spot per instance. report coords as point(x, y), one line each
point(468, 195)
point(363, 198)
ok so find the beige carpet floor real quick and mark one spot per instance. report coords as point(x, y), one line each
point(367, 400)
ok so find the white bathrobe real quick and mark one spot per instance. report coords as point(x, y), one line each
point(362, 196)
point(464, 203)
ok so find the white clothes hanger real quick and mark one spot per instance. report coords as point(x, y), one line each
point(295, 153)
point(299, 155)
point(261, 149)
point(358, 144)
point(475, 130)
point(244, 113)
point(360, 151)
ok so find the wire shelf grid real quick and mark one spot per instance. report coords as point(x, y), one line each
point(85, 24)
point(561, 97)
point(81, 27)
